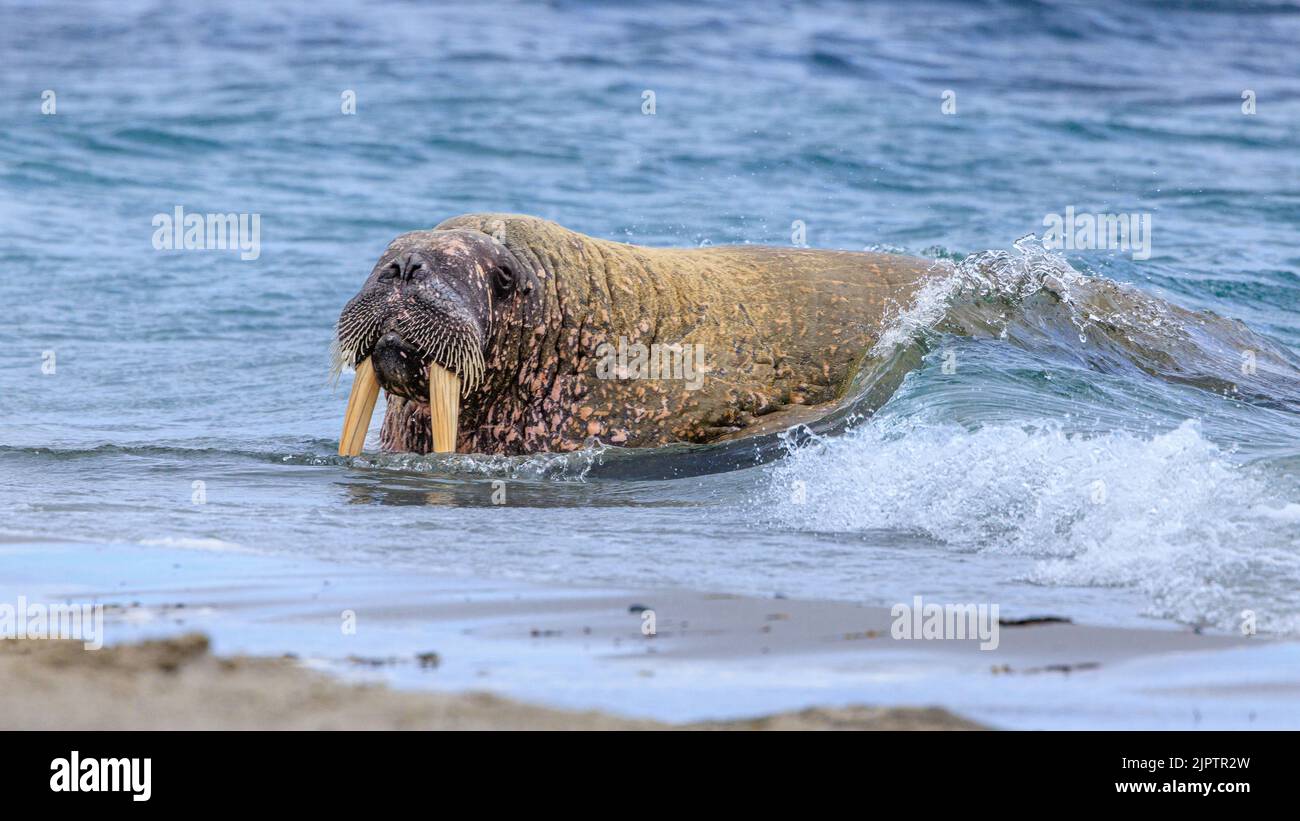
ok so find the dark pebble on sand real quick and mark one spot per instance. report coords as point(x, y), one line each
point(1032, 620)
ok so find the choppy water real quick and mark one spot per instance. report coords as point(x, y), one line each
point(1049, 470)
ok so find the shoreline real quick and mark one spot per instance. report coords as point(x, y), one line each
point(556, 653)
point(178, 684)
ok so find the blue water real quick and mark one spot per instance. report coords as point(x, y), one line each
point(172, 368)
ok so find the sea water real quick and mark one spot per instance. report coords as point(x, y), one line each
point(155, 395)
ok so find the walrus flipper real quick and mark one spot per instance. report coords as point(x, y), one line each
point(782, 419)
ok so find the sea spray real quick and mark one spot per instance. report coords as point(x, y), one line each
point(1201, 535)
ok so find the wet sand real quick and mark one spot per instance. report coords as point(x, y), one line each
point(177, 684)
point(297, 643)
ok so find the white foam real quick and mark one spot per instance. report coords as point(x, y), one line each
point(987, 274)
point(1203, 536)
point(186, 543)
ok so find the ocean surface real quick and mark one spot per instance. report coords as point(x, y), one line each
point(1126, 468)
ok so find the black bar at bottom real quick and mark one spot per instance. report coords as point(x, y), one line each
point(220, 770)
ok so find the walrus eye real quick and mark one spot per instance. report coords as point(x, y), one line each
point(503, 281)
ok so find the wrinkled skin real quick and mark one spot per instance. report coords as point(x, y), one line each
point(781, 331)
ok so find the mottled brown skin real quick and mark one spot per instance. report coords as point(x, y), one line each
point(782, 329)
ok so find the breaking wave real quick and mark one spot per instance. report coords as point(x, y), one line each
point(1112, 438)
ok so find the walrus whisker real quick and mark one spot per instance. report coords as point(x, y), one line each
point(355, 333)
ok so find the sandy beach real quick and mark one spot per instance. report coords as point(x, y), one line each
point(205, 639)
point(177, 684)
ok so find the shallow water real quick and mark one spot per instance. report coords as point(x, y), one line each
point(1028, 476)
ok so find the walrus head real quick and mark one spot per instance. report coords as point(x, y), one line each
point(423, 326)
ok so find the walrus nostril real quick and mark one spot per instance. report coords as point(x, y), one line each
point(408, 265)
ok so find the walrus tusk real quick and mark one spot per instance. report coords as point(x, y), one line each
point(444, 407)
point(361, 406)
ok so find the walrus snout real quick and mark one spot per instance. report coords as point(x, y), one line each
point(401, 369)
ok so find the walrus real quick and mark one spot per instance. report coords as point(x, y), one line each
point(509, 334)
